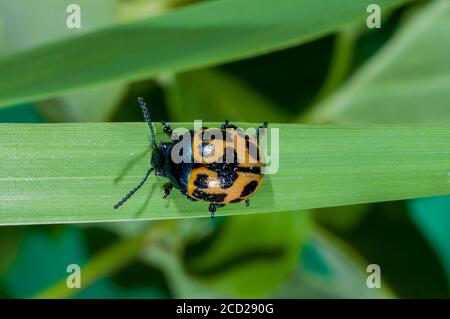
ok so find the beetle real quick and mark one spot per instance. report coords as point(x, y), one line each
point(208, 175)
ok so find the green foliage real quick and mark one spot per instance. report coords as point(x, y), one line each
point(407, 82)
point(10, 239)
point(107, 262)
point(234, 262)
point(386, 236)
point(52, 251)
point(87, 105)
point(328, 268)
point(211, 95)
point(432, 218)
point(72, 173)
point(201, 35)
point(81, 170)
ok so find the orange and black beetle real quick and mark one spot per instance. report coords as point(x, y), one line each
point(208, 175)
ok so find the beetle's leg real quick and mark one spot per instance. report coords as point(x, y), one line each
point(227, 124)
point(167, 189)
point(167, 129)
point(263, 127)
point(247, 202)
point(212, 209)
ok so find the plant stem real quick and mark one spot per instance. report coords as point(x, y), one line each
point(108, 261)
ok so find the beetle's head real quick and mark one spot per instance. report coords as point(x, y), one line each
point(159, 157)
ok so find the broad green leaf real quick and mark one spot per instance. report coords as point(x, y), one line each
point(213, 95)
point(240, 265)
point(196, 36)
point(29, 23)
point(407, 82)
point(62, 173)
point(135, 9)
point(24, 29)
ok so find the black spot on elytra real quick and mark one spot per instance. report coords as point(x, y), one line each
point(212, 198)
point(227, 179)
point(237, 200)
point(249, 188)
point(201, 181)
point(225, 172)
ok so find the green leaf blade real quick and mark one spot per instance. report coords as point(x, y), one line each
point(198, 36)
point(72, 173)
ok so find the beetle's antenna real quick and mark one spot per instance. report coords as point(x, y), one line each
point(131, 193)
point(143, 106)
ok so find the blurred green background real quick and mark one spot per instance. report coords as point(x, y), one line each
point(399, 74)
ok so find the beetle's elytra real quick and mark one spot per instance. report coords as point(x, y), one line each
point(208, 175)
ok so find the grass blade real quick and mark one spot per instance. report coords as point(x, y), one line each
point(69, 173)
point(197, 36)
